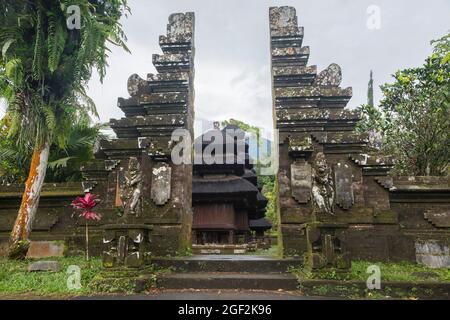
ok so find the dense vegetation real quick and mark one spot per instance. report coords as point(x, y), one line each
point(49, 49)
point(413, 118)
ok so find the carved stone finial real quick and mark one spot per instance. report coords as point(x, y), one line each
point(331, 76)
point(181, 26)
point(283, 21)
point(135, 84)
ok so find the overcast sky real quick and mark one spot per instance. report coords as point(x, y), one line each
point(232, 49)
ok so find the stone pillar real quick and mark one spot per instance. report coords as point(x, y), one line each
point(309, 116)
point(142, 185)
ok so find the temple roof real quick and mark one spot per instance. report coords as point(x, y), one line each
point(262, 223)
point(223, 184)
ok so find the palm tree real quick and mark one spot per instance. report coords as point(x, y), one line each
point(64, 164)
point(44, 69)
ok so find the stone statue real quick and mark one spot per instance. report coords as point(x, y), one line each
point(322, 186)
point(132, 190)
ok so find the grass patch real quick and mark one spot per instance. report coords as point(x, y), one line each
point(14, 277)
point(401, 271)
point(270, 252)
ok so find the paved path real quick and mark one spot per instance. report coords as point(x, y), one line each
point(234, 257)
point(208, 295)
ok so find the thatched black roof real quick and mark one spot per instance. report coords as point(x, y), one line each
point(249, 175)
point(224, 188)
point(230, 135)
point(262, 223)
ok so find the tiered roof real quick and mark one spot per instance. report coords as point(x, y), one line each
point(228, 182)
point(161, 103)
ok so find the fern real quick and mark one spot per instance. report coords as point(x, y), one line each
point(56, 41)
point(59, 163)
point(50, 118)
point(38, 48)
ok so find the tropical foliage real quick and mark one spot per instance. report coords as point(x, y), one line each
point(64, 163)
point(44, 69)
point(413, 117)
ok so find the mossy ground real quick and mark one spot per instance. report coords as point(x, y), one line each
point(16, 280)
point(345, 284)
point(270, 252)
point(401, 271)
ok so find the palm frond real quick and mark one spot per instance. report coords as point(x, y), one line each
point(59, 163)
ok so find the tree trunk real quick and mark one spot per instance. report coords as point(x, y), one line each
point(30, 201)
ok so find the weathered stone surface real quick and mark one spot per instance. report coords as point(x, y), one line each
point(126, 245)
point(135, 85)
point(158, 148)
point(301, 181)
point(131, 187)
point(52, 266)
point(172, 62)
point(180, 29)
point(331, 76)
point(294, 70)
point(343, 182)
point(290, 51)
point(164, 98)
point(161, 183)
point(439, 218)
point(314, 91)
point(283, 22)
point(45, 249)
point(323, 193)
point(149, 125)
point(433, 254)
point(325, 247)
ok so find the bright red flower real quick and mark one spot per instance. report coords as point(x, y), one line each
point(87, 203)
point(90, 215)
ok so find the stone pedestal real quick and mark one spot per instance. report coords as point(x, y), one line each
point(126, 245)
point(326, 246)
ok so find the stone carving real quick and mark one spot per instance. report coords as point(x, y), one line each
point(301, 181)
point(325, 248)
point(161, 178)
point(323, 186)
point(344, 189)
point(331, 76)
point(126, 245)
point(135, 84)
point(131, 191)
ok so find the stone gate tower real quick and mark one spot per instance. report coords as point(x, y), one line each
point(335, 197)
point(139, 184)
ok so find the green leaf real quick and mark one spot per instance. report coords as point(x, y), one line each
point(6, 47)
point(446, 59)
point(11, 67)
point(59, 163)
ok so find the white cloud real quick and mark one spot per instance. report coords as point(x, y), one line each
point(232, 49)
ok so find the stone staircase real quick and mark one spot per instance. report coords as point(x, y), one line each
point(227, 272)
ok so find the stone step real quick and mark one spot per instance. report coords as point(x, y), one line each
point(227, 264)
point(223, 280)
